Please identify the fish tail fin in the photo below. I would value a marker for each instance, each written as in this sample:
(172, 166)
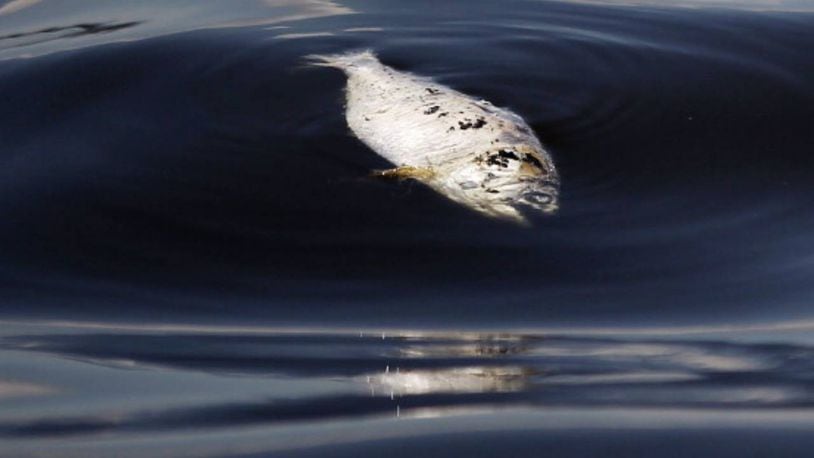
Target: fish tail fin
(342, 61)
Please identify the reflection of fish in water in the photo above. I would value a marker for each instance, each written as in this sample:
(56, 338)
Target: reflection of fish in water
(484, 157)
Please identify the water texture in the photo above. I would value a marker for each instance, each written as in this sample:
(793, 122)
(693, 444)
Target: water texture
(194, 260)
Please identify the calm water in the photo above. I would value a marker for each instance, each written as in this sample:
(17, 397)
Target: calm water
(194, 261)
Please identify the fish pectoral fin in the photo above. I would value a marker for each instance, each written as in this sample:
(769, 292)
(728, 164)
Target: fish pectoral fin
(405, 172)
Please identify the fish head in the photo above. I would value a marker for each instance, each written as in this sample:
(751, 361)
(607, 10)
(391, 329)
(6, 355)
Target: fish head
(505, 182)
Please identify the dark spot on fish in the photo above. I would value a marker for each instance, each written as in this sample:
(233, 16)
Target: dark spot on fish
(492, 191)
(431, 110)
(533, 161)
(432, 91)
(508, 154)
(467, 123)
(451, 129)
(441, 115)
(495, 159)
(367, 119)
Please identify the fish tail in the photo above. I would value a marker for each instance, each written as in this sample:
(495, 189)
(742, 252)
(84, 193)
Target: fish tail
(342, 61)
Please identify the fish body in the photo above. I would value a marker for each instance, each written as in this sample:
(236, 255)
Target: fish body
(479, 155)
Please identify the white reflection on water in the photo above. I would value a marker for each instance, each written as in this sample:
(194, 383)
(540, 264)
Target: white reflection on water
(749, 5)
(723, 363)
(17, 389)
(290, 36)
(629, 377)
(488, 347)
(302, 9)
(753, 396)
(363, 29)
(457, 380)
(673, 354)
(16, 5)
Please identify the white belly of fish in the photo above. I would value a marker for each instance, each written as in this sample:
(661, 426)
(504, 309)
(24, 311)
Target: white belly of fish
(477, 154)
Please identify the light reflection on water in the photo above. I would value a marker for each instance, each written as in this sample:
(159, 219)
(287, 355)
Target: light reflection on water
(619, 369)
(227, 383)
(753, 5)
(16, 389)
(458, 380)
(35, 28)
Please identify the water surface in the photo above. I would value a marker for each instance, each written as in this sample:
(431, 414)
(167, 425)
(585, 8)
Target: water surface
(194, 261)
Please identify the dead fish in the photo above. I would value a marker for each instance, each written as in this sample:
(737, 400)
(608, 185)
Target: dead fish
(474, 153)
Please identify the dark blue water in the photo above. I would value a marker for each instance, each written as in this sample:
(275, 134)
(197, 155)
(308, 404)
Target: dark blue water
(194, 260)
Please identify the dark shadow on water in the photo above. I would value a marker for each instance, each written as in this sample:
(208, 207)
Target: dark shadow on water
(58, 33)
